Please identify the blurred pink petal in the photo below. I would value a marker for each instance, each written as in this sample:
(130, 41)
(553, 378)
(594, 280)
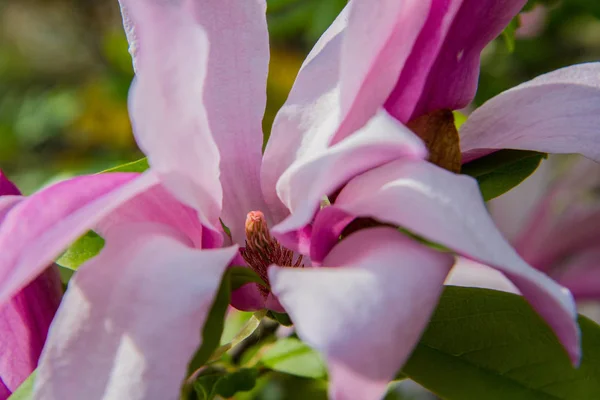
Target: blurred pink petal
(41, 226)
(131, 337)
(558, 112)
(560, 231)
(581, 274)
(448, 209)
(532, 22)
(351, 313)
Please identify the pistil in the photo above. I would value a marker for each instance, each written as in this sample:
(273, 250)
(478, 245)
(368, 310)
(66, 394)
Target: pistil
(262, 250)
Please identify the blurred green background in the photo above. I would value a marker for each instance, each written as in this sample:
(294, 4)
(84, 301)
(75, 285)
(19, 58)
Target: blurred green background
(65, 73)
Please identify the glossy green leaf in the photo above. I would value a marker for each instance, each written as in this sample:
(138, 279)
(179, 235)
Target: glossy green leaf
(502, 170)
(242, 380)
(485, 344)
(135, 166)
(25, 391)
(292, 356)
(84, 248)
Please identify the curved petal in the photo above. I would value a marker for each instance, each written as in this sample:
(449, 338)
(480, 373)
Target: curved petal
(408, 88)
(200, 90)
(24, 323)
(7, 203)
(448, 209)
(308, 180)
(235, 96)
(307, 121)
(343, 82)
(558, 112)
(131, 318)
(378, 270)
(158, 205)
(170, 122)
(451, 81)
(379, 38)
(473, 274)
(41, 226)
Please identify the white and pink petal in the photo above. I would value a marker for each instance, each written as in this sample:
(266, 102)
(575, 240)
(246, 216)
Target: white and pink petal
(131, 318)
(367, 309)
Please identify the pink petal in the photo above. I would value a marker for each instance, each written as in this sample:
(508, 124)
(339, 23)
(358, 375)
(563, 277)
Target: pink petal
(513, 210)
(7, 203)
(41, 226)
(200, 90)
(5, 392)
(448, 209)
(7, 187)
(366, 315)
(558, 112)
(308, 180)
(553, 201)
(131, 318)
(159, 206)
(166, 105)
(408, 88)
(24, 323)
(307, 121)
(451, 81)
(378, 40)
(473, 274)
(581, 274)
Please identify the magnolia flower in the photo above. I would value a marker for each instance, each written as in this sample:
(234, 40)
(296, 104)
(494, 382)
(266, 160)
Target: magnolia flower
(131, 317)
(25, 318)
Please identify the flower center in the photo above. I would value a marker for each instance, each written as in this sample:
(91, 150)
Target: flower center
(438, 131)
(262, 250)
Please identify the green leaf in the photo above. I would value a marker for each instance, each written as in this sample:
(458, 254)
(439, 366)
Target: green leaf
(25, 391)
(282, 318)
(204, 386)
(135, 166)
(215, 321)
(239, 381)
(84, 248)
(502, 170)
(292, 356)
(509, 34)
(220, 383)
(485, 344)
